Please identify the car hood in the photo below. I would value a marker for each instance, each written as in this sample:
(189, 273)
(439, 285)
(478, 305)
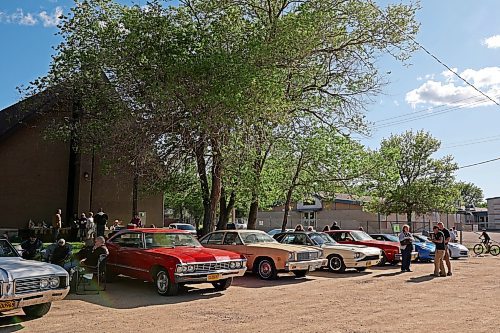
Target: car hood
(285, 247)
(19, 268)
(197, 254)
(460, 247)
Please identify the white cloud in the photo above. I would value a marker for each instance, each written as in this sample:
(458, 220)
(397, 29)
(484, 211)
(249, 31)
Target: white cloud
(395, 102)
(449, 75)
(492, 42)
(51, 20)
(18, 17)
(455, 93)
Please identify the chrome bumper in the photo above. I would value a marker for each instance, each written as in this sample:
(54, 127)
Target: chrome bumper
(36, 297)
(414, 255)
(211, 276)
(309, 265)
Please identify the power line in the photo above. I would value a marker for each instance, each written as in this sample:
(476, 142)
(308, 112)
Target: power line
(472, 142)
(432, 55)
(471, 165)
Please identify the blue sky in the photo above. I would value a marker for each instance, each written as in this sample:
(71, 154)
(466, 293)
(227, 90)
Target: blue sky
(423, 95)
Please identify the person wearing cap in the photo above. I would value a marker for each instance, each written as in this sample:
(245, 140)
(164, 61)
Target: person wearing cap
(335, 226)
(61, 253)
(31, 247)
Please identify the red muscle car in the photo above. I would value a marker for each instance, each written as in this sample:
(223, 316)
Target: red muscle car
(170, 258)
(390, 250)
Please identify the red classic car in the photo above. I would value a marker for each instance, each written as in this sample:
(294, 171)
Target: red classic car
(390, 250)
(170, 258)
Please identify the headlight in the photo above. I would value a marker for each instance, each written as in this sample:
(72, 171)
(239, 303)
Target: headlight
(44, 283)
(184, 269)
(291, 255)
(232, 265)
(179, 269)
(190, 268)
(357, 255)
(54, 282)
(320, 254)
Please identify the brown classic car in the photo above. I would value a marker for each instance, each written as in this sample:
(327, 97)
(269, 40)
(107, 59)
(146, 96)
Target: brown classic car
(265, 256)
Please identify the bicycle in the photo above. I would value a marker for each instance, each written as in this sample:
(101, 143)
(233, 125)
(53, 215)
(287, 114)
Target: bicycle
(492, 249)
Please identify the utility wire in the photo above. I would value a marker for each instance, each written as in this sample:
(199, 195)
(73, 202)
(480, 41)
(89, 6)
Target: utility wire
(471, 165)
(432, 55)
(472, 142)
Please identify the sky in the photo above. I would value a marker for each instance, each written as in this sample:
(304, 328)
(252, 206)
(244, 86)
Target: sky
(421, 95)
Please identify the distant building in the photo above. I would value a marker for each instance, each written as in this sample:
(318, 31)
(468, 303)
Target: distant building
(493, 222)
(38, 176)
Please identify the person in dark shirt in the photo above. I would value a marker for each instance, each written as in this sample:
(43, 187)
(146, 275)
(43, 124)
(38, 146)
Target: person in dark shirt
(335, 226)
(447, 238)
(82, 224)
(100, 220)
(485, 239)
(61, 253)
(31, 247)
(438, 239)
(91, 257)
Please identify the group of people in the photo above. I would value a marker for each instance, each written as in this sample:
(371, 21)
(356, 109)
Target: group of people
(85, 226)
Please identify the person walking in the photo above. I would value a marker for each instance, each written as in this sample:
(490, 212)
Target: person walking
(82, 224)
(438, 239)
(90, 226)
(100, 219)
(406, 239)
(56, 224)
(447, 238)
(326, 228)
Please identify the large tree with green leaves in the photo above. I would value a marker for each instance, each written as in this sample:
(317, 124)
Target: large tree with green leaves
(410, 180)
(470, 194)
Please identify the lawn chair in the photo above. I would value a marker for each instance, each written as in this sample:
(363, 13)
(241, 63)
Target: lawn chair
(91, 279)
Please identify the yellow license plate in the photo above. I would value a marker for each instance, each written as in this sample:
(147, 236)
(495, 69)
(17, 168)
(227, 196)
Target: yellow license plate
(213, 277)
(7, 305)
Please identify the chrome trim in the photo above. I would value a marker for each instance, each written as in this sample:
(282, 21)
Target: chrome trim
(304, 265)
(127, 267)
(33, 298)
(203, 277)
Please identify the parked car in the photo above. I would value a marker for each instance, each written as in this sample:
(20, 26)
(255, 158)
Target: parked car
(273, 232)
(456, 250)
(170, 258)
(28, 284)
(340, 257)
(391, 250)
(265, 256)
(425, 250)
(183, 226)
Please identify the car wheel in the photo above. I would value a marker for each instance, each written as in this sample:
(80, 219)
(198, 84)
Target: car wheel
(37, 311)
(336, 263)
(300, 273)
(222, 284)
(361, 269)
(164, 285)
(266, 269)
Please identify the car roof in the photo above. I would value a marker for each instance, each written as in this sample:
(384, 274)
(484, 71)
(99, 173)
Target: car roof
(154, 230)
(240, 230)
(343, 230)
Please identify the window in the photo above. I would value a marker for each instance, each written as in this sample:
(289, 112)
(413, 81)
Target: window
(164, 239)
(232, 238)
(215, 238)
(129, 240)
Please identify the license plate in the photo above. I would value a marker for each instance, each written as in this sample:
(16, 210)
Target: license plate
(213, 277)
(7, 305)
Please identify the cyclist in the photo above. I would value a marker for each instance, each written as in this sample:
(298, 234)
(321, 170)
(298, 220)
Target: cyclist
(485, 240)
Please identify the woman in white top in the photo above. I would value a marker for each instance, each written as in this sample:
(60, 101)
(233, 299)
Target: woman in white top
(90, 226)
(406, 241)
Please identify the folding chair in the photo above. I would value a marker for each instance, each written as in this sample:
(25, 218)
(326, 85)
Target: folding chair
(86, 275)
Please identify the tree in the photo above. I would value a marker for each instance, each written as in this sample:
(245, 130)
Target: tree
(470, 194)
(410, 180)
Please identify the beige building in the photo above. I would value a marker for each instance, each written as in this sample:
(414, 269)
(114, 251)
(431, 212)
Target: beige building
(38, 176)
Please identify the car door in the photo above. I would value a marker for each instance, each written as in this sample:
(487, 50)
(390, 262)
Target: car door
(127, 254)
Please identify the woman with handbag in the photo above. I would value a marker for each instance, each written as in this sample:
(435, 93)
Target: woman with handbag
(406, 241)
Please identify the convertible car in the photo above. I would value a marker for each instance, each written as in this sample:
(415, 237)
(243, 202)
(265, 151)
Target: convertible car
(28, 284)
(170, 258)
(340, 257)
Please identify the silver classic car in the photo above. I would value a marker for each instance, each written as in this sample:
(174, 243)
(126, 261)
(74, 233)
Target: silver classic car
(27, 284)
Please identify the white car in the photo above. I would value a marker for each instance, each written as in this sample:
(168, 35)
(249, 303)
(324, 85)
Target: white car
(273, 232)
(457, 251)
(340, 256)
(28, 284)
(184, 226)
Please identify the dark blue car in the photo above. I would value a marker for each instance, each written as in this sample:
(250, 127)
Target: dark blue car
(426, 250)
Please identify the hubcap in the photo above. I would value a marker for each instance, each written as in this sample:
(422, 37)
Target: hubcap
(162, 281)
(335, 263)
(265, 269)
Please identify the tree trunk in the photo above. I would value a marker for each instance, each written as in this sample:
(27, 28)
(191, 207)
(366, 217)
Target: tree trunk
(408, 217)
(257, 166)
(290, 191)
(216, 175)
(135, 186)
(252, 214)
(225, 209)
(202, 175)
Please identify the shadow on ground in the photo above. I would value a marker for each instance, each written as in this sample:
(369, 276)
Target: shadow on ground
(423, 278)
(11, 323)
(252, 281)
(346, 274)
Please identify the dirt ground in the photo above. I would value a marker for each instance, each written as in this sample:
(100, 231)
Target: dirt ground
(379, 300)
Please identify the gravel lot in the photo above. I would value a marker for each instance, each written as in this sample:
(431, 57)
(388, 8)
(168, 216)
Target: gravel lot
(379, 300)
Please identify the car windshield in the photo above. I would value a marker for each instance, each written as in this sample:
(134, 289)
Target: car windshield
(256, 237)
(164, 239)
(360, 236)
(392, 238)
(319, 238)
(185, 227)
(6, 250)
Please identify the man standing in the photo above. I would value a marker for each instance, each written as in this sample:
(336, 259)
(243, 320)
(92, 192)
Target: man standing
(56, 225)
(335, 226)
(447, 238)
(438, 239)
(100, 219)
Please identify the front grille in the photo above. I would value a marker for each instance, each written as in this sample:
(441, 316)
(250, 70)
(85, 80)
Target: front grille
(28, 285)
(464, 253)
(304, 256)
(211, 266)
(374, 257)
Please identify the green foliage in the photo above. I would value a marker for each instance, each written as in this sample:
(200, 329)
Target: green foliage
(410, 180)
(470, 194)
